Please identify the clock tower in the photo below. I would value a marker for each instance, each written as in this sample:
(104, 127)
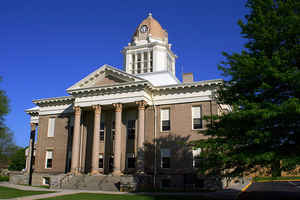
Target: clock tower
(149, 51)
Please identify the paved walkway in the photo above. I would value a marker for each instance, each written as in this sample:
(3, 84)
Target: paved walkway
(229, 194)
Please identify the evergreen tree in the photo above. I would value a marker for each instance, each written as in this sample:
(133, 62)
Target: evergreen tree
(263, 88)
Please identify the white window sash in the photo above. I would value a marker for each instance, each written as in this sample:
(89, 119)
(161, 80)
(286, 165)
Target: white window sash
(51, 127)
(196, 112)
(164, 114)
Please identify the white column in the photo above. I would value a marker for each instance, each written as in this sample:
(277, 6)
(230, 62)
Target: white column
(148, 61)
(76, 142)
(96, 139)
(135, 63)
(141, 136)
(118, 139)
(142, 62)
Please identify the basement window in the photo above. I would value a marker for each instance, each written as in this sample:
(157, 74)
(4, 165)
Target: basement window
(46, 181)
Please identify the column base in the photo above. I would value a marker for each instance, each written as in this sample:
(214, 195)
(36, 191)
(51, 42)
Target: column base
(117, 173)
(95, 172)
(76, 172)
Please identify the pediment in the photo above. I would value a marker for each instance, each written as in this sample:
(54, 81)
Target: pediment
(105, 76)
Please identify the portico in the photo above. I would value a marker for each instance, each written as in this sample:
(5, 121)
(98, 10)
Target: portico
(117, 142)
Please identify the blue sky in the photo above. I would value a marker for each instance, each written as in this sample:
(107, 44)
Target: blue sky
(46, 46)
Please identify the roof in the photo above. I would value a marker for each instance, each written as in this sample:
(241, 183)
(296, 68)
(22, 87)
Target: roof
(85, 82)
(154, 27)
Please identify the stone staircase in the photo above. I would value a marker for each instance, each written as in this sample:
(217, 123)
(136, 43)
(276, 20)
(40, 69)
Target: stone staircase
(87, 182)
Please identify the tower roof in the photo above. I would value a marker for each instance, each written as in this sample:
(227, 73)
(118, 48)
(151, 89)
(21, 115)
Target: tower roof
(154, 27)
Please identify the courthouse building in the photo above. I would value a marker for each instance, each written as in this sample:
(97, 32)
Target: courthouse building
(135, 121)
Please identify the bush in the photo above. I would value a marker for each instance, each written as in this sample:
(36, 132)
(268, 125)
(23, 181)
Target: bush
(4, 178)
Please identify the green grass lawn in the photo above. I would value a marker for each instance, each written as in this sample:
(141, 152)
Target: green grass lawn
(7, 193)
(267, 178)
(89, 196)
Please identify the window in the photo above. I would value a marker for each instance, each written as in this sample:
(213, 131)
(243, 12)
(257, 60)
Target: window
(151, 61)
(196, 114)
(131, 129)
(46, 181)
(51, 126)
(133, 63)
(101, 162)
(165, 183)
(165, 158)
(102, 131)
(145, 61)
(49, 158)
(196, 158)
(111, 162)
(113, 132)
(139, 68)
(130, 160)
(165, 119)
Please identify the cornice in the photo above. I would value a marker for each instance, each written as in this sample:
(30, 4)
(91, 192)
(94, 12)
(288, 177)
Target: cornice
(215, 82)
(54, 101)
(109, 88)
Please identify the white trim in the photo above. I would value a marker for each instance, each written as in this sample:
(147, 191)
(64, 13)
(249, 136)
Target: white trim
(51, 110)
(175, 100)
(94, 75)
(113, 98)
(34, 119)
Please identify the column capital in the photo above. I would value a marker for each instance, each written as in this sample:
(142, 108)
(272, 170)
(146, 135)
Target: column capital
(97, 108)
(118, 107)
(77, 110)
(141, 104)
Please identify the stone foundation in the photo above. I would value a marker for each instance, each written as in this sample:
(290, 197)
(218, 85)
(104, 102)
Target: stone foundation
(123, 183)
(18, 178)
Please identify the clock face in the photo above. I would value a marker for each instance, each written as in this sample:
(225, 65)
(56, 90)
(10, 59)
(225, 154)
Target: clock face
(144, 29)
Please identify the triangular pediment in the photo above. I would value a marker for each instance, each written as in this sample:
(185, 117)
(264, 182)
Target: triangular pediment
(105, 76)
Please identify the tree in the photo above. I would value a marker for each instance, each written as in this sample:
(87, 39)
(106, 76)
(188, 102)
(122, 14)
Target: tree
(18, 160)
(263, 88)
(7, 146)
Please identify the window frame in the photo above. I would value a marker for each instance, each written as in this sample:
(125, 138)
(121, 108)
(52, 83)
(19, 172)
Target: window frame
(113, 130)
(101, 157)
(131, 156)
(161, 120)
(47, 159)
(201, 121)
(131, 131)
(51, 127)
(164, 157)
(196, 153)
(102, 131)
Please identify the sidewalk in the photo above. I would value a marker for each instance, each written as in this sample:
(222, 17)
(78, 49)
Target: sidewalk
(228, 194)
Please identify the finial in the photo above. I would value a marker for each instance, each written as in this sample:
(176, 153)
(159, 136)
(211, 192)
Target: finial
(150, 14)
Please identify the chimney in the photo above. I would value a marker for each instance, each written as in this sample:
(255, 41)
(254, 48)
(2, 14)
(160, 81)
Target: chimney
(187, 78)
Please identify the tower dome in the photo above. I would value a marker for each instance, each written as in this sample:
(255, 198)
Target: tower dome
(150, 27)
(149, 52)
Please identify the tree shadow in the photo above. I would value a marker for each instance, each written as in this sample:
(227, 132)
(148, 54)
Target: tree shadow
(168, 166)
